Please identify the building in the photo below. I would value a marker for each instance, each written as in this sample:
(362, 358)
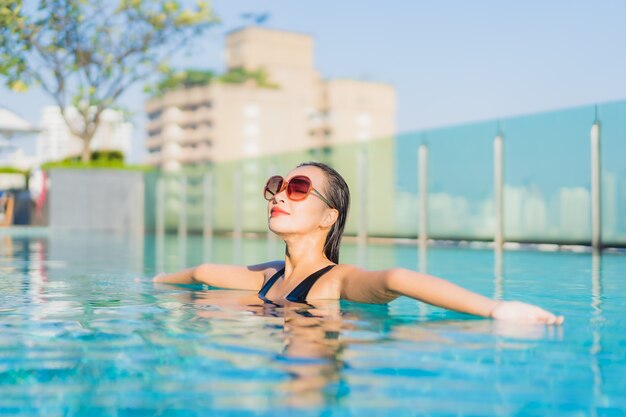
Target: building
(55, 141)
(12, 126)
(225, 121)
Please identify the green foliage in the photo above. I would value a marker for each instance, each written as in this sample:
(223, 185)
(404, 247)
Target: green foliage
(11, 170)
(174, 80)
(99, 159)
(88, 53)
(102, 164)
(107, 156)
(241, 75)
(99, 156)
(10, 19)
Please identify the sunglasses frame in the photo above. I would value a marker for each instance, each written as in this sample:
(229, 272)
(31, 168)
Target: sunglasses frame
(284, 185)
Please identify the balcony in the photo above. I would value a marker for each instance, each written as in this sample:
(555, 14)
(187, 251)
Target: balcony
(201, 153)
(184, 119)
(154, 141)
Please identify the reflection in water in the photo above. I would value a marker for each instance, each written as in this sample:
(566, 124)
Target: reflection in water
(312, 355)
(595, 323)
(182, 252)
(596, 287)
(160, 253)
(422, 265)
(6, 252)
(453, 332)
(237, 249)
(423, 268)
(73, 313)
(207, 247)
(28, 259)
(27, 276)
(92, 253)
(311, 346)
(37, 275)
(362, 253)
(498, 281)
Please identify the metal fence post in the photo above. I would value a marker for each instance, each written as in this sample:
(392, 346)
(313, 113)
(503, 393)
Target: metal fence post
(238, 221)
(182, 222)
(160, 223)
(423, 195)
(498, 191)
(596, 189)
(207, 229)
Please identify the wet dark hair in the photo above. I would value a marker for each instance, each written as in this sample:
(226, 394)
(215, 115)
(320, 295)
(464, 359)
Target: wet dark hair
(338, 194)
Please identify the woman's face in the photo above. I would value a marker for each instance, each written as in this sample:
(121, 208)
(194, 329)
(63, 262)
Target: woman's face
(301, 217)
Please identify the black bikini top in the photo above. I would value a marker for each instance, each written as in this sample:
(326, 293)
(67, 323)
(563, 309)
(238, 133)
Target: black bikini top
(299, 294)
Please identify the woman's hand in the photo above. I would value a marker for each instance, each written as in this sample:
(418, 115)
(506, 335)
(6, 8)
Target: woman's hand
(158, 277)
(518, 311)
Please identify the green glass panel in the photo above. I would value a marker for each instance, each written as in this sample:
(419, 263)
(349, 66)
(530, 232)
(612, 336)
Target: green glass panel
(406, 206)
(460, 198)
(612, 118)
(547, 176)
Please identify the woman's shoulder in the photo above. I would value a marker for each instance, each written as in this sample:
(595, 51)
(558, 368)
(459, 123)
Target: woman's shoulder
(349, 271)
(342, 269)
(272, 267)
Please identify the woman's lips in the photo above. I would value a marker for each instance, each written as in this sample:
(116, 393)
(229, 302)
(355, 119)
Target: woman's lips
(277, 212)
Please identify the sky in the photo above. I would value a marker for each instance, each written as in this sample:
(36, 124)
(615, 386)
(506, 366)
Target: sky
(451, 62)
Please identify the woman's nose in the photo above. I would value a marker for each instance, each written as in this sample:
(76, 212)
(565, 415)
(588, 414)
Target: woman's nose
(280, 196)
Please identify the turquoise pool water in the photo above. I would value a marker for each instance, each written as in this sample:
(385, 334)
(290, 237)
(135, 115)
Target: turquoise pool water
(84, 332)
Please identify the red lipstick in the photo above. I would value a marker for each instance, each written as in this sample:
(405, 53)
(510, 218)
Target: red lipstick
(277, 212)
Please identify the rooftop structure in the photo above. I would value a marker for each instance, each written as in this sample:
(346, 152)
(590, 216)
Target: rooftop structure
(297, 110)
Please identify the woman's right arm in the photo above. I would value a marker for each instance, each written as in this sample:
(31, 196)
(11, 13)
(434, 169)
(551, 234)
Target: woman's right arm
(224, 276)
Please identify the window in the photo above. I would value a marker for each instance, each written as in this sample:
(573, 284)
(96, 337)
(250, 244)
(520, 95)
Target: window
(154, 115)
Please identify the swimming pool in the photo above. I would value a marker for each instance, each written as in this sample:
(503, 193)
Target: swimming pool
(84, 332)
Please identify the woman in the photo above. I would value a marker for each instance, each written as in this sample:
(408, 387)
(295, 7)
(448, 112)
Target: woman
(308, 210)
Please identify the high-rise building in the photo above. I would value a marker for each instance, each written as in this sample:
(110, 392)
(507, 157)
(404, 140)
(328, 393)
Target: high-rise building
(56, 142)
(297, 109)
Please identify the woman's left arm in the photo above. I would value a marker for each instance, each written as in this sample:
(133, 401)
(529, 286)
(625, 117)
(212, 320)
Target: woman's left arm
(384, 286)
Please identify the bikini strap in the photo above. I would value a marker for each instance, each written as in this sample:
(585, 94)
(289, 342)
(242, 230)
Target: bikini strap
(268, 284)
(299, 294)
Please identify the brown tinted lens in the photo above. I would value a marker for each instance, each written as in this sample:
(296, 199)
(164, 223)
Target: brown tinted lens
(298, 188)
(273, 187)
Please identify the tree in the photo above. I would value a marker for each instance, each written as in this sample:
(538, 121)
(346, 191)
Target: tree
(87, 53)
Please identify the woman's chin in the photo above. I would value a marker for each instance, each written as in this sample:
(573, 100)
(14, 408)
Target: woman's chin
(275, 228)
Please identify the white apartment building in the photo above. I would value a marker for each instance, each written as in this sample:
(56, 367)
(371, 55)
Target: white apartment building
(55, 142)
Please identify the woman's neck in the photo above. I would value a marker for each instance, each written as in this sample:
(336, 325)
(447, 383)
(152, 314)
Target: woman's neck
(302, 254)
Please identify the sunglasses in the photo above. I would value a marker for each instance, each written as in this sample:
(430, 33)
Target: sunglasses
(298, 188)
